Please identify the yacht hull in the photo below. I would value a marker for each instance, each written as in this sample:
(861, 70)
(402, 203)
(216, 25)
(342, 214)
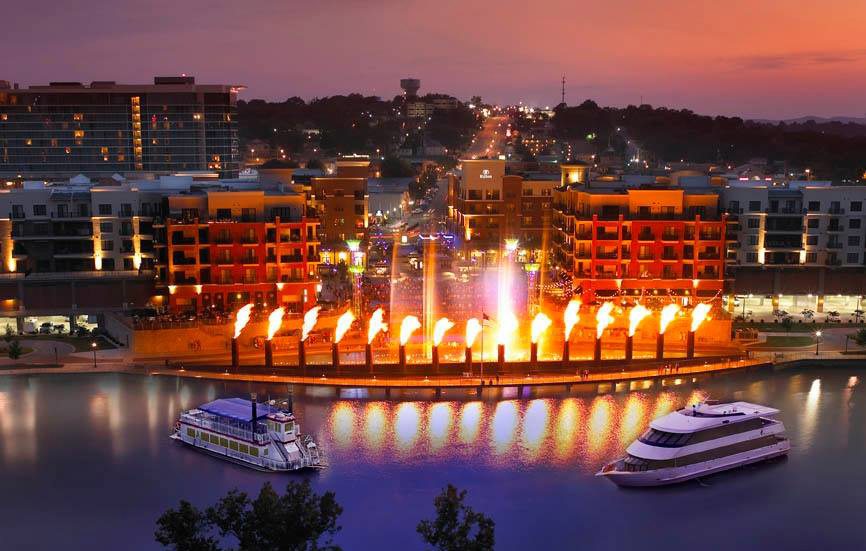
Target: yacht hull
(220, 453)
(673, 475)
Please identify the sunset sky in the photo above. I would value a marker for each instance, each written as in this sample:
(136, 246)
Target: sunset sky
(754, 58)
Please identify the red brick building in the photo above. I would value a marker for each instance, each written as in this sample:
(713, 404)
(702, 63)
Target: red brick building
(223, 249)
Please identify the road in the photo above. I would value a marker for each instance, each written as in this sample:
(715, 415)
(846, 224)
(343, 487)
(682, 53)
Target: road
(490, 140)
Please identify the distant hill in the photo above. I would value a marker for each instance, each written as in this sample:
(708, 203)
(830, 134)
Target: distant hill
(812, 118)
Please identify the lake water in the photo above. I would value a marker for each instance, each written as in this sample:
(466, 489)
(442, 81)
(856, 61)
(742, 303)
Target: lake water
(86, 463)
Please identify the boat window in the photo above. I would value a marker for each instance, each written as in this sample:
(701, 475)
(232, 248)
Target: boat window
(664, 439)
(254, 451)
(244, 448)
(233, 445)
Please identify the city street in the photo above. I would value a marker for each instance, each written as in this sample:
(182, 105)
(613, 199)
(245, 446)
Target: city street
(490, 140)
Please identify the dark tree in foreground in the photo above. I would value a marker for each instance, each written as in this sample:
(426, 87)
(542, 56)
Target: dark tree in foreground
(860, 337)
(298, 520)
(15, 350)
(457, 527)
(185, 529)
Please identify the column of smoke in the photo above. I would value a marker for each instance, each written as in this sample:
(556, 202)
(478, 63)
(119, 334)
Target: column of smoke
(570, 320)
(602, 320)
(275, 320)
(668, 314)
(699, 314)
(242, 318)
(443, 325)
(635, 316)
(344, 323)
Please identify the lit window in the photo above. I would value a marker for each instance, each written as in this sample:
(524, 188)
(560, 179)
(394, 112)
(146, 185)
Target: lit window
(196, 116)
(4, 117)
(68, 150)
(78, 116)
(78, 133)
(103, 150)
(28, 141)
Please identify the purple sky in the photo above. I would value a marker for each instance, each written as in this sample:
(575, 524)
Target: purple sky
(754, 58)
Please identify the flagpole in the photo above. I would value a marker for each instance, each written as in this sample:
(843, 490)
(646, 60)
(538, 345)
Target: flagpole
(482, 346)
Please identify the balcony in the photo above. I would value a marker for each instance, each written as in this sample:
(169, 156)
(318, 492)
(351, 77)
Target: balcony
(606, 256)
(670, 236)
(709, 256)
(183, 261)
(670, 256)
(607, 236)
(182, 240)
(711, 236)
(224, 261)
(835, 228)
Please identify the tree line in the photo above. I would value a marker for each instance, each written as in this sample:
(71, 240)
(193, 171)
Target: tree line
(301, 520)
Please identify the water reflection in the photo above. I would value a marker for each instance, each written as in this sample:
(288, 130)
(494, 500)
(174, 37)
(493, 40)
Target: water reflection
(503, 425)
(439, 424)
(535, 427)
(470, 422)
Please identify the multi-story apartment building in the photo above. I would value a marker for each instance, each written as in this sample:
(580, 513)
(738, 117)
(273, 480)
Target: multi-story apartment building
(341, 202)
(68, 128)
(803, 241)
(615, 239)
(223, 249)
(488, 206)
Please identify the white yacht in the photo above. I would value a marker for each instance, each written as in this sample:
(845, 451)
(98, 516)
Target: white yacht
(700, 440)
(262, 436)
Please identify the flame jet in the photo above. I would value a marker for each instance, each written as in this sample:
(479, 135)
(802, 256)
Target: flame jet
(699, 314)
(375, 325)
(635, 316)
(408, 326)
(275, 321)
(668, 314)
(310, 319)
(242, 318)
(570, 318)
(540, 324)
(344, 323)
(602, 320)
(443, 325)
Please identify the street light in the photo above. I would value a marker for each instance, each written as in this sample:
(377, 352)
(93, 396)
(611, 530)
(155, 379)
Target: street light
(93, 347)
(817, 341)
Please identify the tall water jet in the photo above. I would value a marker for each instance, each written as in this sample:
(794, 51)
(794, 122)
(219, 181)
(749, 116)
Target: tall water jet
(570, 319)
(473, 329)
(442, 327)
(429, 288)
(242, 318)
(275, 320)
(408, 326)
(602, 320)
(668, 314)
(310, 319)
(540, 324)
(375, 325)
(344, 323)
(635, 316)
(699, 314)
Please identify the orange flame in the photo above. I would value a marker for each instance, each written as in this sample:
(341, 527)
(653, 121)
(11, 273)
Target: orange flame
(540, 323)
(635, 315)
(473, 329)
(275, 320)
(242, 318)
(699, 314)
(310, 319)
(571, 317)
(377, 324)
(407, 327)
(669, 313)
(603, 319)
(442, 326)
(343, 325)
(507, 327)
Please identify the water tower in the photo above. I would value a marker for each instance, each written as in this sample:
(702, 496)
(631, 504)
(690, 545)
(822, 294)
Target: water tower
(410, 86)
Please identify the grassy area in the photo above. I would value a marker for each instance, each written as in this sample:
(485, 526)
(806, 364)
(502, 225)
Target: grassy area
(81, 344)
(797, 327)
(785, 341)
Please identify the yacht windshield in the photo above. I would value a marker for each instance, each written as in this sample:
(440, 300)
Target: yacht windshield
(664, 439)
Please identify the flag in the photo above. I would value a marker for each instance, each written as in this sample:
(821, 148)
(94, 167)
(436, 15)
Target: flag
(484, 317)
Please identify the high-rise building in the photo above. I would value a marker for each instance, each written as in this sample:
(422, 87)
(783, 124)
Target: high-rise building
(69, 128)
(342, 202)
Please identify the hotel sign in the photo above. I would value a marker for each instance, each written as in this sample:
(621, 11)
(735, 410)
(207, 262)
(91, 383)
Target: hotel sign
(485, 174)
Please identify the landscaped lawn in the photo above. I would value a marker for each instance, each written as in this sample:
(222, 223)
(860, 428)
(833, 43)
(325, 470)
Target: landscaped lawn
(81, 344)
(796, 327)
(786, 341)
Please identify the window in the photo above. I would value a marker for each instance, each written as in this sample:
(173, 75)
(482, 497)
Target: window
(107, 245)
(854, 223)
(814, 206)
(752, 258)
(754, 223)
(754, 206)
(811, 258)
(813, 223)
(190, 432)
(734, 206)
(104, 209)
(853, 258)
(663, 439)
(233, 445)
(17, 211)
(811, 240)
(753, 240)
(224, 214)
(853, 240)
(40, 210)
(126, 228)
(254, 451)
(856, 206)
(106, 227)
(125, 209)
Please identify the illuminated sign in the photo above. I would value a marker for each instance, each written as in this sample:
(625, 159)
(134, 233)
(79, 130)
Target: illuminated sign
(485, 174)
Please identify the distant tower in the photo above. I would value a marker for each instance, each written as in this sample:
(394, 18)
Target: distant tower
(410, 86)
(563, 90)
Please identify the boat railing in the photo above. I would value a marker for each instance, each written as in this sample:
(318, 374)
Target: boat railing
(225, 428)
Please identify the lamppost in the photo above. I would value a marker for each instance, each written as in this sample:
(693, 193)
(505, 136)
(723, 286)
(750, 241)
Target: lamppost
(93, 347)
(817, 341)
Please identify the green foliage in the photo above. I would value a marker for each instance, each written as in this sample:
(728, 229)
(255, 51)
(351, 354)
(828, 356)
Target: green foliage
(860, 337)
(15, 350)
(185, 529)
(315, 164)
(457, 527)
(298, 520)
(9, 333)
